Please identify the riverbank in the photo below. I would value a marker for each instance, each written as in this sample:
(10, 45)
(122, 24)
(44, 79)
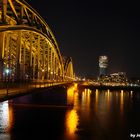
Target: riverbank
(104, 87)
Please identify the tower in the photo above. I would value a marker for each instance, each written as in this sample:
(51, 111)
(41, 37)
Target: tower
(103, 64)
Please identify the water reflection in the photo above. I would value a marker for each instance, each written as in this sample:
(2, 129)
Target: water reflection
(71, 122)
(96, 98)
(107, 98)
(81, 101)
(70, 96)
(71, 117)
(121, 101)
(95, 115)
(6, 118)
(86, 98)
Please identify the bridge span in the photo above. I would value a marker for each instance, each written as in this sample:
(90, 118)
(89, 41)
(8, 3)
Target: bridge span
(10, 91)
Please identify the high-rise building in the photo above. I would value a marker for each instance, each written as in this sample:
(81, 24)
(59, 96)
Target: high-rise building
(103, 64)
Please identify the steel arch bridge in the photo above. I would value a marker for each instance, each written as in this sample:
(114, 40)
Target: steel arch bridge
(28, 48)
(68, 67)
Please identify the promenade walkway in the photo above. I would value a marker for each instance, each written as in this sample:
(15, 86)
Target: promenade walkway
(9, 92)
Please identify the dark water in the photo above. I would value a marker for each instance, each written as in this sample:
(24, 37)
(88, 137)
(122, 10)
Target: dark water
(96, 115)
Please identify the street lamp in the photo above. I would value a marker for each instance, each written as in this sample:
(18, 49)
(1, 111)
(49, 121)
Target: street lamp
(7, 71)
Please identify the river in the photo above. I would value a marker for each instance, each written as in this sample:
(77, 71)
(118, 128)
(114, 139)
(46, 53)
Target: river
(95, 115)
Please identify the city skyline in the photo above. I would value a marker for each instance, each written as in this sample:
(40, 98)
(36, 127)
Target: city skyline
(86, 30)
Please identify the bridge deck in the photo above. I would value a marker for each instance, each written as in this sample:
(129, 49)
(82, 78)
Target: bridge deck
(8, 93)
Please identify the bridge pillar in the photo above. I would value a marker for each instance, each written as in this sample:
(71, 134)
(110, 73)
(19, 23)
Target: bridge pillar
(7, 55)
(43, 63)
(24, 61)
(34, 68)
(18, 57)
(47, 62)
(30, 58)
(2, 37)
(38, 57)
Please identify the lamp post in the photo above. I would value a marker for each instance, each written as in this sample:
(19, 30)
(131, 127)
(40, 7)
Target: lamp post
(7, 71)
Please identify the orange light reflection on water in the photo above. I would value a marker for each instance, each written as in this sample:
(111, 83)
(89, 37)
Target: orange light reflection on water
(70, 95)
(71, 91)
(96, 98)
(86, 97)
(71, 118)
(121, 101)
(71, 121)
(11, 119)
(107, 95)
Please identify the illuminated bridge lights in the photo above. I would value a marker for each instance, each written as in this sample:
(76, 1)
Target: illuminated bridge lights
(27, 45)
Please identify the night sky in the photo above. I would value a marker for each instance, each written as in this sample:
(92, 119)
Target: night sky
(86, 29)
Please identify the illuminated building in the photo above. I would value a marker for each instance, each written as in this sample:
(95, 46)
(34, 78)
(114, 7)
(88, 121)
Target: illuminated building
(118, 77)
(103, 64)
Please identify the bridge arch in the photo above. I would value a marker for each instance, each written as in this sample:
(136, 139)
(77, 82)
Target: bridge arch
(28, 47)
(68, 69)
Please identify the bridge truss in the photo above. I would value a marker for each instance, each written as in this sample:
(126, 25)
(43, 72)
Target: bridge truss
(28, 48)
